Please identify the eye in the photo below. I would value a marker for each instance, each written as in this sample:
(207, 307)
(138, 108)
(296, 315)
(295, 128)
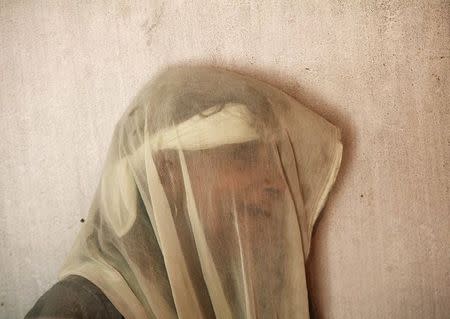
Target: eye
(169, 164)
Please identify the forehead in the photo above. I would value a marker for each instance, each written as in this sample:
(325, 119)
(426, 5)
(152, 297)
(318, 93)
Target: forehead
(248, 151)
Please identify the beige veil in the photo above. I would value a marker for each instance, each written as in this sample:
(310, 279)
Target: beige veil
(207, 200)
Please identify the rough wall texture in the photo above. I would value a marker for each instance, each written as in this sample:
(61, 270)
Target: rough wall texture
(378, 69)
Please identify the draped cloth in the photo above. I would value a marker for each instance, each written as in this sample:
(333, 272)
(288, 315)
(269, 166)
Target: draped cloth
(207, 200)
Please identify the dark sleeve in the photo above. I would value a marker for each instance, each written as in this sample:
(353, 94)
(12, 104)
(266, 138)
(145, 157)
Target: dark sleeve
(74, 297)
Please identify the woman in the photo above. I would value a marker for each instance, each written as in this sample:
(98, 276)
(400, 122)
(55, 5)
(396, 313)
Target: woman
(206, 205)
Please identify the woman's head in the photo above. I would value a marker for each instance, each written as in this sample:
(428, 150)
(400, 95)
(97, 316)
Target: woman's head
(194, 216)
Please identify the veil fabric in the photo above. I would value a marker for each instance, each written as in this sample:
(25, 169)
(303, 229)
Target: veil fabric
(207, 200)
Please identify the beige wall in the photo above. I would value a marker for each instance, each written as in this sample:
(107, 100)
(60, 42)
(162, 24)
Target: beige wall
(378, 69)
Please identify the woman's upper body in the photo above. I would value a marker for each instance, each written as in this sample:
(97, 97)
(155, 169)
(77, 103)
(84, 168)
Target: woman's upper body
(208, 197)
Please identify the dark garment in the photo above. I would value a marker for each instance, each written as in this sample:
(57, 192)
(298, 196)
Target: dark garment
(74, 297)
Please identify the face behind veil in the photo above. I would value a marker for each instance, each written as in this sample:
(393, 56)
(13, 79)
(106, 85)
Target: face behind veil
(207, 200)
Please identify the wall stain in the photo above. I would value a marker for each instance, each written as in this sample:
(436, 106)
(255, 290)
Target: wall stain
(151, 25)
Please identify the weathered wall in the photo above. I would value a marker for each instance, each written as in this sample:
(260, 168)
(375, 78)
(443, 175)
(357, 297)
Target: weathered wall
(378, 69)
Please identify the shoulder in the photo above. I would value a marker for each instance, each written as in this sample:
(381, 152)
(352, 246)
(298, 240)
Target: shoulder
(73, 297)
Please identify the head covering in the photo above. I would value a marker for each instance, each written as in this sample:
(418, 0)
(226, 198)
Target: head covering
(207, 201)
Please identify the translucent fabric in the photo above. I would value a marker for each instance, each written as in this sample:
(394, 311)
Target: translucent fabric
(207, 200)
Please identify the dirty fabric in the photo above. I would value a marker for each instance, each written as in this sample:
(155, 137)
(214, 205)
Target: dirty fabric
(207, 200)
